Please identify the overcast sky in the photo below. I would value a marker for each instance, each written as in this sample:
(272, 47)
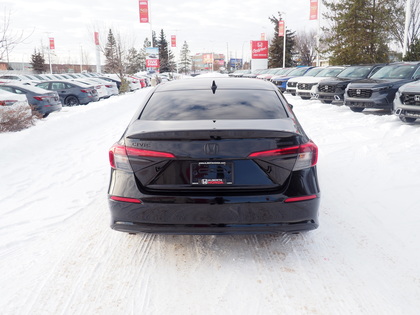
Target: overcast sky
(221, 26)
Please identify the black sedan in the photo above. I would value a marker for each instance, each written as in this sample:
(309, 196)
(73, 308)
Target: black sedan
(214, 156)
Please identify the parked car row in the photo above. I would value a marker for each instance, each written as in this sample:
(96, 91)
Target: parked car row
(46, 93)
(394, 87)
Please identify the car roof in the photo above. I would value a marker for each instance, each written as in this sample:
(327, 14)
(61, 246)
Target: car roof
(220, 83)
(70, 81)
(27, 87)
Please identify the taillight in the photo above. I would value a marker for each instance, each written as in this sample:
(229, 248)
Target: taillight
(302, 198)
(108, 86)
(307, 154)
(7, 102)
(40, 98)
(118, 156)
(85, 91)
(148, 153)
(125, 199)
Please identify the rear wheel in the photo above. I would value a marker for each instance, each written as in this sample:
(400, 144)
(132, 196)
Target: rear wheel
(305, 97)
(71, 101)
(326, 102)
(407, 119)
(357, 109)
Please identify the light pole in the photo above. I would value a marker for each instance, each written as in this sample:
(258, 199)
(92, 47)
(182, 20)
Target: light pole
(407, 24)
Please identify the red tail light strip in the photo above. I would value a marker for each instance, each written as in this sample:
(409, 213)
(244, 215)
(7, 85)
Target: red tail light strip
(7, 102)
(308, 147)
(283, 151)
(118, 155)
(124, 199)
(303, 198)
(148, 153)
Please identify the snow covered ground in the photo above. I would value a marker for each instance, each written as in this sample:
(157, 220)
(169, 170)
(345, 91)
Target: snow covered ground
(59, 256)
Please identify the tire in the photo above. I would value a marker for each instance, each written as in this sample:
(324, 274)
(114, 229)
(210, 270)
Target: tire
(45, 115)
(71, 101)
(357, 109)
(305, 97)
(326, 102)
(407, 119)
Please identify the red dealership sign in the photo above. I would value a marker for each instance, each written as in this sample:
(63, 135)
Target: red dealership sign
(152, 63)
(144, 11)
(96, 35)
(260, 49)
(52, 44)
(281, 28)
(173, 40)
(313, 14)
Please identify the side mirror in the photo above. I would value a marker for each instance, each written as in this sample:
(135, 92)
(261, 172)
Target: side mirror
(291, 106)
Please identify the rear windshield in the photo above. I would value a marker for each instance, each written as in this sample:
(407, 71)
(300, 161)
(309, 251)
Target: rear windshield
(204, 105)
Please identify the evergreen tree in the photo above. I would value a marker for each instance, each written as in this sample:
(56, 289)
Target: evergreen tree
(166, 56)
(275, 56)
(111, 55)
(360, 30)
(413, 53)
(185, 59)
(38, 62)
(142, 54)
(134, 62)
(114, 63)
(155, 42)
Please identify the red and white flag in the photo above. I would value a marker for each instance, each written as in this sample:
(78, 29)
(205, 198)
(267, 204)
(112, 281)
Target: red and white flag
(281, 28)
(52, 44)
(96, 36)
(313, 10)
(144, 11)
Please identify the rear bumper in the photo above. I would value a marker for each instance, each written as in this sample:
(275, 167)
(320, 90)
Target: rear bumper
(223, 212)
(214, 215)
(47, 109)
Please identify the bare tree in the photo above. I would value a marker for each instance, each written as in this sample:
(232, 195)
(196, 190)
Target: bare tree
(397, 22)
(305, 45)
(9, 38)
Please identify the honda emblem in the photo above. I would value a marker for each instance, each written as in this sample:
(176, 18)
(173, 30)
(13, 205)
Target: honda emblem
(417, 98)
(211, 148)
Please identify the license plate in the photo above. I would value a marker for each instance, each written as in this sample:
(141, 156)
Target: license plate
(212, 173)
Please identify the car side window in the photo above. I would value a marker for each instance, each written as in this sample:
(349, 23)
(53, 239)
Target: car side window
(17, 91)
(43, 85)
(416, 75)
(8, 89)
(57, 86)
(374, 71)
